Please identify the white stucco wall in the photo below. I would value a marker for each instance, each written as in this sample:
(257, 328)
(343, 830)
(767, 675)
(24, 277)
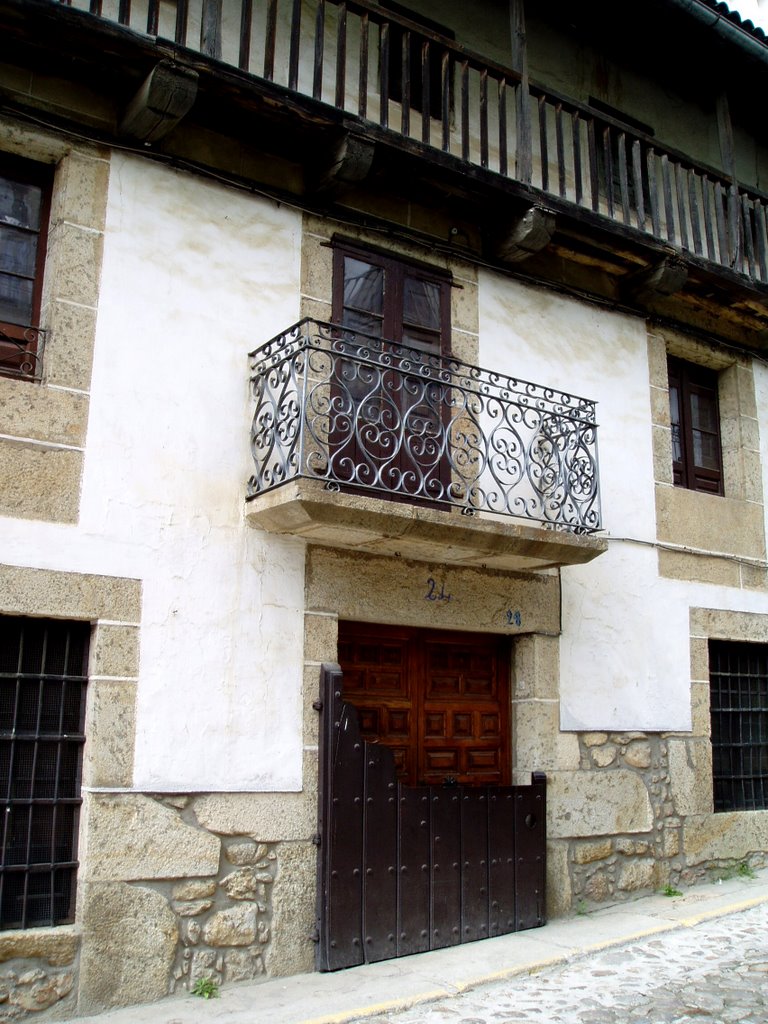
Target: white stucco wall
(625, 645)
(194, 276)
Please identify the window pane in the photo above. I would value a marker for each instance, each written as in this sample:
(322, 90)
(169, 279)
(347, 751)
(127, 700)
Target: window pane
(703, 412)
(421, 303)
(357, 321)
(18, 251)
(706, 451)
(695, 423)
(16, 300)
(20, 204)
(423, 340)
(363, 286)
(674, 415)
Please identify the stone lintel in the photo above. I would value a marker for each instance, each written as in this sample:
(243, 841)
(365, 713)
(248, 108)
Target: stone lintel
(58, 946)
(303, 508)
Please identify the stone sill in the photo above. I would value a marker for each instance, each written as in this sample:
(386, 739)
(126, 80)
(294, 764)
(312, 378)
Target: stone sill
(57, 944)
(304, 508)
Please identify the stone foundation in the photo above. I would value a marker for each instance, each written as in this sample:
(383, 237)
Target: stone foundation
(38, 971)
(664, 832)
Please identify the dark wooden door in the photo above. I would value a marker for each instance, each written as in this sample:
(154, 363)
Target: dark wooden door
(403, 869)
(439, 700)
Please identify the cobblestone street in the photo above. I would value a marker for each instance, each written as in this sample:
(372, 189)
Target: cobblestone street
(715, 973)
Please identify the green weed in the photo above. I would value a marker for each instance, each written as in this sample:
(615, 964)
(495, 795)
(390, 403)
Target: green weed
(206, 988)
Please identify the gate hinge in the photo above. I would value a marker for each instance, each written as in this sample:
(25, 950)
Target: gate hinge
(317, 839)
(317, 705)
(315, 936)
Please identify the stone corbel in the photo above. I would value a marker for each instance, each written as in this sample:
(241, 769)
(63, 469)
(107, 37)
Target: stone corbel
(348, 162)
(165, 96)
(662, 279)
(530, 233)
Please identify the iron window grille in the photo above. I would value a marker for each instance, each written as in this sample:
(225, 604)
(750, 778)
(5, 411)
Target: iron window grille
(42, 710)
(738, 674)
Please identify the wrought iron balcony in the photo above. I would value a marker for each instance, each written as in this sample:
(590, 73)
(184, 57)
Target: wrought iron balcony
(367, 416)
(430, 91)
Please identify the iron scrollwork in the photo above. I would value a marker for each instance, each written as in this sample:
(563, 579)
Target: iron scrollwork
(360, 412)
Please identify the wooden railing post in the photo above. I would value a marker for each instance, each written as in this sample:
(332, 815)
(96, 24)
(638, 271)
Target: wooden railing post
(210, 29)
(523, 160)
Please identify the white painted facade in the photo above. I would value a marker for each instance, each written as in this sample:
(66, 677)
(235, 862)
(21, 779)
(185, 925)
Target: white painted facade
(194, 275)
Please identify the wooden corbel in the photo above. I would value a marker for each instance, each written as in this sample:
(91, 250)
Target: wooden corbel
(662, 279)
(165, 96)
(347, 162)
(530, 233)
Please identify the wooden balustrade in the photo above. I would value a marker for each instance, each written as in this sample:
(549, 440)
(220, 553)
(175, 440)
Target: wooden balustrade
(414, 81)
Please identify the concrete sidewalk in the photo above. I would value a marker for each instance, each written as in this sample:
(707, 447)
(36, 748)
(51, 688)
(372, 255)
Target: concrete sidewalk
(401, 984)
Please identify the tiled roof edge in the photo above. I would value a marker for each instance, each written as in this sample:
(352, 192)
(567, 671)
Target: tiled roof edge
(735, 18)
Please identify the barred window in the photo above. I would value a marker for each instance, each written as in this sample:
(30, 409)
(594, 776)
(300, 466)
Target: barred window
(42, 710)
(738, 675)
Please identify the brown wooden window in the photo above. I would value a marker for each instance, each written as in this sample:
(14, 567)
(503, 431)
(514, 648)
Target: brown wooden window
(693, 409)
(42, 711)
(24, 206)
(420, 63)
(401, 302)
(390, 408)
(738, 674)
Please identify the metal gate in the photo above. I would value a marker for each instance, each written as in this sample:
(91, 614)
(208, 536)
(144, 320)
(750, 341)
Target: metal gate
(404, 869)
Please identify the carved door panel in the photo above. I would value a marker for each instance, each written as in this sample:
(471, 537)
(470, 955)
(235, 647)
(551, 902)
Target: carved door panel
(439, 700)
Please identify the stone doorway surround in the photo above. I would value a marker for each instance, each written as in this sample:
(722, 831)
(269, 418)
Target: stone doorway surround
(526, 607)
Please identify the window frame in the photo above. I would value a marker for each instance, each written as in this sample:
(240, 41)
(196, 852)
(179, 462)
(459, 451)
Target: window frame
(20, 344)
(690, 379)
(43, 683)
(356, 450)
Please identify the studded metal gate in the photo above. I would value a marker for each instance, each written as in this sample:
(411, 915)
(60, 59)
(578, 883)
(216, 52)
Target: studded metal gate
(404, 869)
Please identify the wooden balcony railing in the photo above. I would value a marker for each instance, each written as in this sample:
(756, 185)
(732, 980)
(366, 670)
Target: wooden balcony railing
(386, 69)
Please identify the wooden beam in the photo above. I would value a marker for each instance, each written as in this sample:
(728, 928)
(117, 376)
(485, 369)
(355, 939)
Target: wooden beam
(165, 96)
(526, 236)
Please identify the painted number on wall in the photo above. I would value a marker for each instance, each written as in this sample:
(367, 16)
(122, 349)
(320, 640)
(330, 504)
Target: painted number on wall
(433, 594)
(514, 618)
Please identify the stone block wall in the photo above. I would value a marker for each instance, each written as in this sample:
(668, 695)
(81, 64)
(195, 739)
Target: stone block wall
(177, 891)
(626, 823)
